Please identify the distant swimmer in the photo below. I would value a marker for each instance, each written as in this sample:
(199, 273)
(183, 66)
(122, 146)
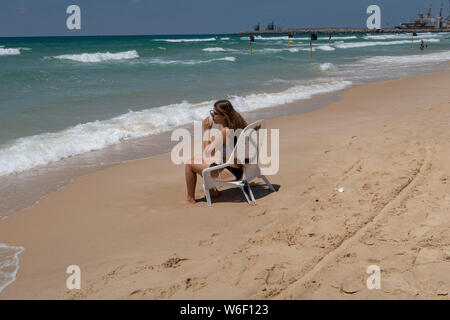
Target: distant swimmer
(422, 45)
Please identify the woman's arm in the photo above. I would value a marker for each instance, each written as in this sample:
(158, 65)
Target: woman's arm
(214, 143)
(206, 125)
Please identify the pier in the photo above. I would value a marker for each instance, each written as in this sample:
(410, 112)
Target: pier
(342, 30)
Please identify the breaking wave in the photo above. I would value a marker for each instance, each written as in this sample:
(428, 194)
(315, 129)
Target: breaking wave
(99, 56)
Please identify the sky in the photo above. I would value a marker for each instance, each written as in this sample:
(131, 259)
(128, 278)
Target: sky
(141, 17)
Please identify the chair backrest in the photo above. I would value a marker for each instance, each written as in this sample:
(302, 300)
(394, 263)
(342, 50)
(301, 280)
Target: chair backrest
(247, 149)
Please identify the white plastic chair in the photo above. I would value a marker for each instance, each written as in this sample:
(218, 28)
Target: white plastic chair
(251, 169)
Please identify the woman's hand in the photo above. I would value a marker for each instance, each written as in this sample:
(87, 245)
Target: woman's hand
(206, 124)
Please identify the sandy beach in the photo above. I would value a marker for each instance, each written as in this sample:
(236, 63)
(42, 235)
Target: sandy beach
(386, 144)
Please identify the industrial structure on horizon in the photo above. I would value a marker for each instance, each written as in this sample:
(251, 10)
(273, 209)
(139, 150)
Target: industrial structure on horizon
(420, 24)
(270, 27)
(428, 22)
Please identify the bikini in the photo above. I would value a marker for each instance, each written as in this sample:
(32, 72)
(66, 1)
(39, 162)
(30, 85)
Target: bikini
(237, 172)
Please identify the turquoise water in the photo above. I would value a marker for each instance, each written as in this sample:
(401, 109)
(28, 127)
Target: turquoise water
(63, 96)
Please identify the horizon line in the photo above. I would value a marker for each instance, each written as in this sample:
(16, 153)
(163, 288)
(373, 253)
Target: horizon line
(165, 34)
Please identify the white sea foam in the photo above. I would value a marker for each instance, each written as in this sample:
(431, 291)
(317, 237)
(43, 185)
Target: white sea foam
(325, 48)
(220, 49)
(350, 45)
(411, 59)
(297, 92)
(190, 62)
(340, 38)
(400, 36)
(162, 48)
(9, 51)
(291, 49)
(275, 50)
(298, 38)
(216, 49)
(100, 56)
(275, 38)
(186, 40)
(26, 153)
(295, 49)
(327, 66)
(9, 264)
(266, 38)
(225, 38)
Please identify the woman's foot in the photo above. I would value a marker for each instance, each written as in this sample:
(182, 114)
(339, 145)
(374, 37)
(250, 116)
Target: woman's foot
(188, 201)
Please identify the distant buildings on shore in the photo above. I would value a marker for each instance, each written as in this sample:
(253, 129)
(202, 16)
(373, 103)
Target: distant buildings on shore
(428, 22)
(270, 27)
(421, 23)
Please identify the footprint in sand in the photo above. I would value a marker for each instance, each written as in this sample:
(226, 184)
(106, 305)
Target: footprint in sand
(173, 262)
(210, 241)
(257, 213)
(366, 186)
(275, 274)
(309, 190)
(356, 166)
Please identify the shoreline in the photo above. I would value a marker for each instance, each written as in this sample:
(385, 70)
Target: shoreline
(65, 171)
(56, 175)
(138, 242)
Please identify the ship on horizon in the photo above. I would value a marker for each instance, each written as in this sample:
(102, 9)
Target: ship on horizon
(428, 22)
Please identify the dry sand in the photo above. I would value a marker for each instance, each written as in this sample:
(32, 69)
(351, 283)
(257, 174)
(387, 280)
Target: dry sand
(387, 144)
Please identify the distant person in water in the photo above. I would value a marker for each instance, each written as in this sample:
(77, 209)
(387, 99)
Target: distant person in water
(422, 45)
(222, 114)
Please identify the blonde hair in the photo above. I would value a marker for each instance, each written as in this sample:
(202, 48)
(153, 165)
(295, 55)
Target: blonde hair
(233, 119)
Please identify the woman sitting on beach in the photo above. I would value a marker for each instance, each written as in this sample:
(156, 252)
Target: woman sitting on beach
(225, 115)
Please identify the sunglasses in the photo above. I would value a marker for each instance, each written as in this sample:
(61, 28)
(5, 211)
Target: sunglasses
(214, 113)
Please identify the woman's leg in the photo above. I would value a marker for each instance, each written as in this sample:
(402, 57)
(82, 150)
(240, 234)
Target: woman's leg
(226, 175)
(191, 181)
(191, 171)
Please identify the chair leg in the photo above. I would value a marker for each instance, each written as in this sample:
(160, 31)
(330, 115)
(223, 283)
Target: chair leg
(208, 196)
(251, 194)
(268, 182)
(245, 193)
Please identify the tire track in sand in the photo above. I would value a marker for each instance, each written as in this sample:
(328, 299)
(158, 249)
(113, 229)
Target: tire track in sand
(402, 194)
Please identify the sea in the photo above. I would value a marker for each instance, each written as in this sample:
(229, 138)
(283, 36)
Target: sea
(72, 105)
